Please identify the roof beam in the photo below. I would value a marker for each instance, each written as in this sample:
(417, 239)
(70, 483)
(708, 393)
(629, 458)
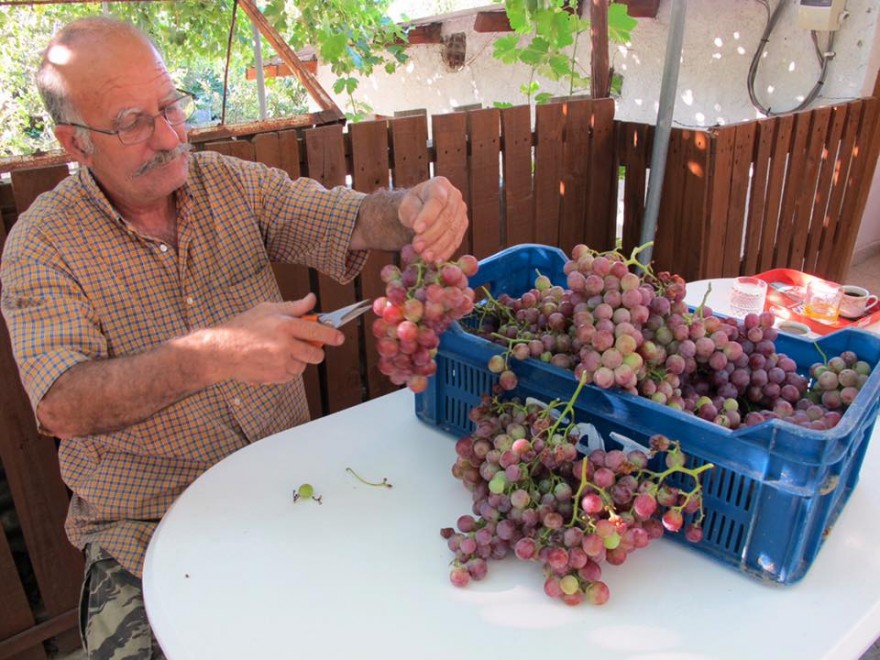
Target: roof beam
(285, 52)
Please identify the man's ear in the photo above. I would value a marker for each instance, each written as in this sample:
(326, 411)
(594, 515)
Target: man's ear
(69, 139)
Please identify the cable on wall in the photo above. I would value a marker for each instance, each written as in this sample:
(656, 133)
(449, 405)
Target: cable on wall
(823, 57)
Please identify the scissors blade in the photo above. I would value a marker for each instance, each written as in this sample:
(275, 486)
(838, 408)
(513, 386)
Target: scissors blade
(345, 314)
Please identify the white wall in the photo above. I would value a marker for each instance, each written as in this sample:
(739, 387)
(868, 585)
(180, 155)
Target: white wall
(720, 39)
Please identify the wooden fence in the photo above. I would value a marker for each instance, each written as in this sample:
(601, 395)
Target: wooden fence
(782, 192)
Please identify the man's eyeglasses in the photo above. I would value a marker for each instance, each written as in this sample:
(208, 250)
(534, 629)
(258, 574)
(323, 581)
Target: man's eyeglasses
(139, 127)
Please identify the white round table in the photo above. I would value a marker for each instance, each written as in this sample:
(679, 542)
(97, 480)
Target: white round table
(238, 570)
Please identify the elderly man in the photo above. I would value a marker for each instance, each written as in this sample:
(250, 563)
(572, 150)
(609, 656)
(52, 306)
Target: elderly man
(145, 319)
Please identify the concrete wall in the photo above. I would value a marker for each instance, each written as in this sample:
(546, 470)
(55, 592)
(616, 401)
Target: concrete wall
(720, 39)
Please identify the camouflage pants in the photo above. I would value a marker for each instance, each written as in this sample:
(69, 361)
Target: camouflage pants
(112, 618)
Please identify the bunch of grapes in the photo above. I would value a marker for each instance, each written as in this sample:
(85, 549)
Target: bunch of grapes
(634, 332)
(534, 495)
(421, 301)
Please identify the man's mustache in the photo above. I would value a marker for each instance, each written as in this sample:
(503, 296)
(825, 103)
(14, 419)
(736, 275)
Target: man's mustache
(163, 157)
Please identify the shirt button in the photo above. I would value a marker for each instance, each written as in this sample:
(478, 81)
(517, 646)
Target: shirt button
(163, 247)
(236, 401)
(190, 300)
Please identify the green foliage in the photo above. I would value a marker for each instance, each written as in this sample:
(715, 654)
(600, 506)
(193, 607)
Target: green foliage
(545, 39)
(353, 38)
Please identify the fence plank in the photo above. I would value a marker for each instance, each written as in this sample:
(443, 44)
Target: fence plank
(549, 129)
(755, 228)
(484, 131)
(451, 160)
(600, 207)
(842, 162)
(341, 377)
(519, 200)
(575, 161)
(819, 227)
(669, 222)
(695, 206)
(31, 465)
(370, 171)
(743, 150)
(15, 613)
(29, 184)
(719, 177)
(409, 147)
(804, 211)
(856, 195)
(783, 129)
(791, 192)
(634, 142)
(239, 148)
(277, 150)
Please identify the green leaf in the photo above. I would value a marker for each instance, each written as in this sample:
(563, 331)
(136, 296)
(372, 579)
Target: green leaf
(535, 52)
(506, 49)
(517, 15)
(333, 46)
(529, 88)
(560, 65)
(620, 24)
(543, 97)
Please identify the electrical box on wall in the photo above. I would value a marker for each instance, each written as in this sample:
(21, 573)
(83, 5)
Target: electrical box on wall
(820, 15)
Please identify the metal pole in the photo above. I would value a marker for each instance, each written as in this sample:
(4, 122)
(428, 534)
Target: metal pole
(664, 125)
(261, 83)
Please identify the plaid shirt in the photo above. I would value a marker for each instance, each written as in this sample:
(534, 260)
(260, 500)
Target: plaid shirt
(80, 284)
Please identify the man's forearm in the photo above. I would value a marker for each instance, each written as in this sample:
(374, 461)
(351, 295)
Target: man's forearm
(102, 396)
(378, 227)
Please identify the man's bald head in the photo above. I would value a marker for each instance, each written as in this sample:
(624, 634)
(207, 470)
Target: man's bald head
(78, 49)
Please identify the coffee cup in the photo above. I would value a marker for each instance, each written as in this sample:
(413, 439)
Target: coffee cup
(856, 300)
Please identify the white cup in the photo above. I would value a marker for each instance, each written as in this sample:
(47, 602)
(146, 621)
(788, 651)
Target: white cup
(855, 301)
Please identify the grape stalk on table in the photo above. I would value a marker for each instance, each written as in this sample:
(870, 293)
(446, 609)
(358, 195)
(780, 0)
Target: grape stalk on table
(421, 301)
(622, 326)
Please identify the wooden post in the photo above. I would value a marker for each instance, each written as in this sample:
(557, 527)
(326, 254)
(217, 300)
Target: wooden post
(600, 75)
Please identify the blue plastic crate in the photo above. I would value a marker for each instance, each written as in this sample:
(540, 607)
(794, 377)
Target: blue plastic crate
(776, 488)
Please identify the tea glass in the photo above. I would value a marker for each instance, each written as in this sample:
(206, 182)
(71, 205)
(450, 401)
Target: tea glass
(822, 301)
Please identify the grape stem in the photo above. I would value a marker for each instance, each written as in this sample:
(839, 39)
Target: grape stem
(606, 498)
(819, 348)
(383, 484)
(633, 257)
(569, 407)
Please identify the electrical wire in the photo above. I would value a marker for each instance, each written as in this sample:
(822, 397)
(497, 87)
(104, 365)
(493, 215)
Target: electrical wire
(226, 69)
(823, 57)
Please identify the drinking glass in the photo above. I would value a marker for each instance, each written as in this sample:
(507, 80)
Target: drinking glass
(822, 301)
(747, 295)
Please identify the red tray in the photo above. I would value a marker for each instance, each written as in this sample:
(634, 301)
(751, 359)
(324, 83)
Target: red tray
(786, 308)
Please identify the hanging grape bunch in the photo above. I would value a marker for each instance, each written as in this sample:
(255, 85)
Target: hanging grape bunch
(421, 301)
(534, 495)
(622, 326)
